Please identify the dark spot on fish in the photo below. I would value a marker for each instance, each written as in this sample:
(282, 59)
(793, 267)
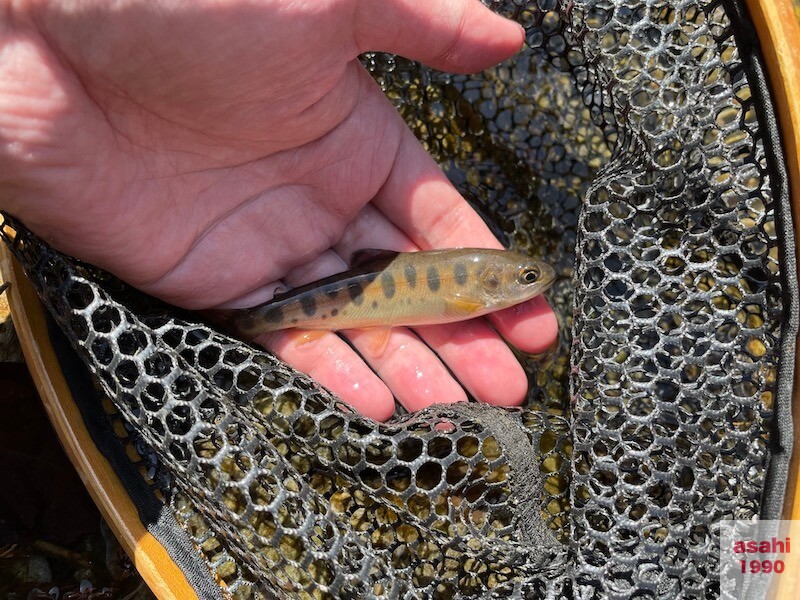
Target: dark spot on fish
(356, 293)
(334, 312)
(309, 305)
(324, 317)
(273, 314)
(294, 320)
(387, 282)
(433, 279)
(460, 271)
(411, 276)
(374, 304)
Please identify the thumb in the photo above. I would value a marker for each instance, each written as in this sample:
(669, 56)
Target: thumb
(461, 36)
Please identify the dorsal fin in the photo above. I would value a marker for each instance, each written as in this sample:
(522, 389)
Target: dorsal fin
(372, 256)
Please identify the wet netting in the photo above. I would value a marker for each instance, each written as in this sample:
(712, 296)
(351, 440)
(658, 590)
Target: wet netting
(631, 144)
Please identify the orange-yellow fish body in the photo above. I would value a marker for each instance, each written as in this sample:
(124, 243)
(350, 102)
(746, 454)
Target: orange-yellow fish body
(385, 289)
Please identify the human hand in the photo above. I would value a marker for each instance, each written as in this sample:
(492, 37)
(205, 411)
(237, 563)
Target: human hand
(205, 152)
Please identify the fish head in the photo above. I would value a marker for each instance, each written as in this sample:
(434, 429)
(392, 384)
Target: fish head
(511, 277)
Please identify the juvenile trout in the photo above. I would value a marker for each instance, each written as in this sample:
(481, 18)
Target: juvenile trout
(385, 289)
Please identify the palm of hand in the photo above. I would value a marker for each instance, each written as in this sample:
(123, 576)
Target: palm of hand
(208, 170)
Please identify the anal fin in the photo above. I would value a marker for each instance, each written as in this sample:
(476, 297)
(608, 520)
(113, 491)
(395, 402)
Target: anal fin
(378, 340)
(305, 336)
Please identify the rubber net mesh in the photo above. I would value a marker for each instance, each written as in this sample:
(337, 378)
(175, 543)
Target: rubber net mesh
(622, 145)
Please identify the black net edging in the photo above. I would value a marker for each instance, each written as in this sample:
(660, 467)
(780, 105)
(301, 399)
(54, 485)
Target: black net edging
(631, 144)
(782, 439)
(160, 523)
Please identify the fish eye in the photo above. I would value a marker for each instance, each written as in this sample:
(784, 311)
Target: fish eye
(530, 275)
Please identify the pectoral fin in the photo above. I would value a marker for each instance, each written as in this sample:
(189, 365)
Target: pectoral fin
(463, 307)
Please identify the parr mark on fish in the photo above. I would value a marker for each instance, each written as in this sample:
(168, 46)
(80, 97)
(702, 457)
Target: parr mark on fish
(460, 272)
(434, 283)
(387, 283)
(411, 276)
(309, 305)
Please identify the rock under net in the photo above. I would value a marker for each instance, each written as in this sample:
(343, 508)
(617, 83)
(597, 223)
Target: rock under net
(624, 145)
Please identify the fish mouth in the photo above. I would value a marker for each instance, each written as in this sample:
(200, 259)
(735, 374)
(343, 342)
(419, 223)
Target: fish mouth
(550, 275)
(547, 278)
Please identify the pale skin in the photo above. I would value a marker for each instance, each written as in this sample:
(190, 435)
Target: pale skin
(208, 152)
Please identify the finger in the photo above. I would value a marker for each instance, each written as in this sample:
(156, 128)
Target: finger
(420, 201)
(371, 229)
(531, 326)
(452, 35)
(332, 363)
(414, 373)
(482, 361)
(476, 355)
(326, 264)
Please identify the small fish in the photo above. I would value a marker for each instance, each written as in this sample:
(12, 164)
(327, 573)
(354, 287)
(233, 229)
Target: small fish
(385, 289)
